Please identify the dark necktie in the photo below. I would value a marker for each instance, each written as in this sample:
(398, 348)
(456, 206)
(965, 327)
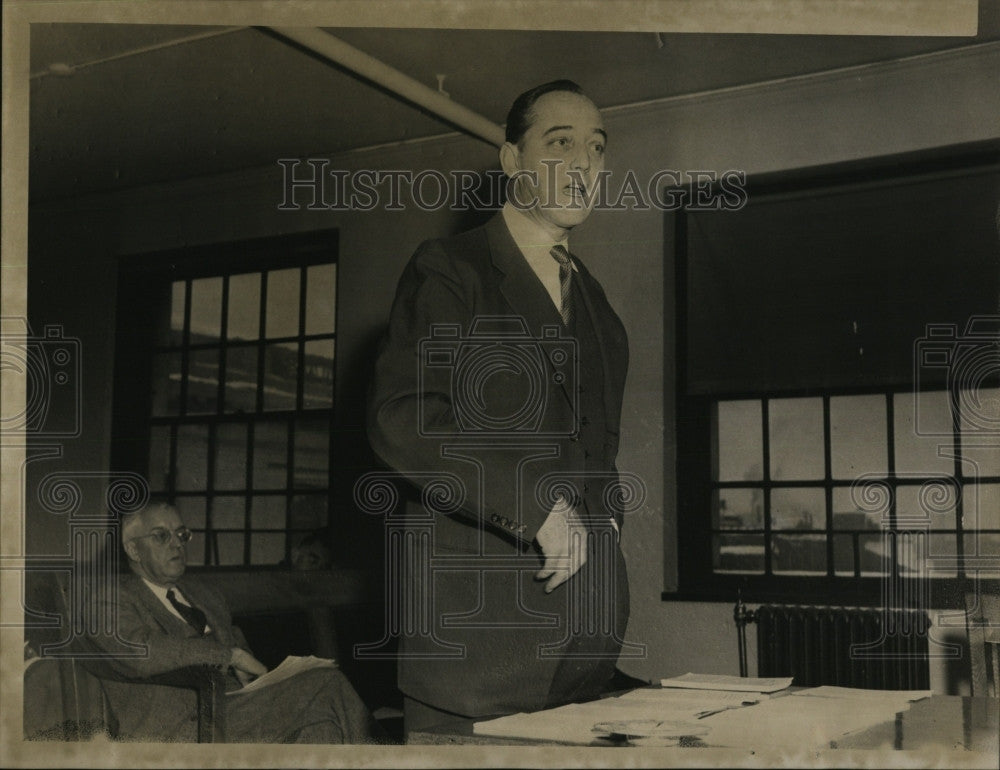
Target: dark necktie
(195, 617)
(560, 255)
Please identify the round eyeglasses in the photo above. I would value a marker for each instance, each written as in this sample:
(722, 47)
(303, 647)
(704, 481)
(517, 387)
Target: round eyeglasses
(163, 536)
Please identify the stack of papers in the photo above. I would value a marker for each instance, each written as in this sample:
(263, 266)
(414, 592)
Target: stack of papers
(289, 667)
(730, 683)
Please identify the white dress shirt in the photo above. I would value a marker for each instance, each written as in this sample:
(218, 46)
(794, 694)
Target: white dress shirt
(535, 244)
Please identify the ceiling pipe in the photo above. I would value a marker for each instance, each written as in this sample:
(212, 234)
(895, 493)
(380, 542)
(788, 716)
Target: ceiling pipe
(62, 69)
(379, 72)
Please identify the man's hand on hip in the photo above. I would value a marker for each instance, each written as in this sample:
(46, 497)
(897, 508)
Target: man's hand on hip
(563, 540)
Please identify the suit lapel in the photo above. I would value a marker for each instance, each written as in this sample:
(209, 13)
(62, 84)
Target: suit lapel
(520, 287)
(169, 622)
(172, 624)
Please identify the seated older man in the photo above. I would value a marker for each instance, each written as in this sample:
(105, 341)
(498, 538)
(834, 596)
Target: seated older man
(182, 622)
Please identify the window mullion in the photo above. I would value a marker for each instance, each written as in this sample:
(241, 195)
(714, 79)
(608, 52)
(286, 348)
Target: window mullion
(766, 474)
(300, 355)
(210, 488)
(223, 347)
(261, 345)
(828, 491)
(185, 349)
(956, 433)
(894, 492)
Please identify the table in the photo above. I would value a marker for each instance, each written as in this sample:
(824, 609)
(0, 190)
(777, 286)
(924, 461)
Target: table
(954, 722)
(948, 722)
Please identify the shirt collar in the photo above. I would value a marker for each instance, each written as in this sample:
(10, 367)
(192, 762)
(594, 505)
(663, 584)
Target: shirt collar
(161, 591)
(528, 234)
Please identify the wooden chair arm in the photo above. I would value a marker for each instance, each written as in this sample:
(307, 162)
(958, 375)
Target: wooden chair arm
(208, 682)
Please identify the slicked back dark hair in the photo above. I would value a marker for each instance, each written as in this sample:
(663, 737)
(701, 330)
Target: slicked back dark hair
(521, 114)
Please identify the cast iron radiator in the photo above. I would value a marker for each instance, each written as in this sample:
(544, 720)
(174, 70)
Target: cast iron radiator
(870, 648)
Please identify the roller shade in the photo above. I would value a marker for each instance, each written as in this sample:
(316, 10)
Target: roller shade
(833, 285)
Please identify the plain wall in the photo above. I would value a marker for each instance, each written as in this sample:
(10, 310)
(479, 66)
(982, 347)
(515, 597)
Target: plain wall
(926, 102)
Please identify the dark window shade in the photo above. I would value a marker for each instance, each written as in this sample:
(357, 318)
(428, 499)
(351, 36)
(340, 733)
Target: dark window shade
(831, 287)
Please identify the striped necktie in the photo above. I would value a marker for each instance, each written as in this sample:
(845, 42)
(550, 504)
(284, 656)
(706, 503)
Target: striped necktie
(560, 255)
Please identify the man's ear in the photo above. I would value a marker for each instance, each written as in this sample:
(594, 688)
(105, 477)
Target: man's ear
(132, 551)
(510, 159)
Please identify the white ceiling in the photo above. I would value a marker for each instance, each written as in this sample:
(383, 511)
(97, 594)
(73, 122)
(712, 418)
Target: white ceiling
(146, 103)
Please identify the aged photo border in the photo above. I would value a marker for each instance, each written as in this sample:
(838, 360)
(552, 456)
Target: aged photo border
(867, 17)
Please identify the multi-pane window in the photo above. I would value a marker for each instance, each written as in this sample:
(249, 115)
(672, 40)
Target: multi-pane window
(824, 485)
(241, 402)
(836, 388)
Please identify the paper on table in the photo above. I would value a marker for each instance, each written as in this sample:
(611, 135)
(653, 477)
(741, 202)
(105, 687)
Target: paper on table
(651, 732)
(889, 701)
(802, 723)
(731, 683)
(566, 724)
(829, 691)
(653, 711)
(289, 667)
(677, 702)
(664, 715)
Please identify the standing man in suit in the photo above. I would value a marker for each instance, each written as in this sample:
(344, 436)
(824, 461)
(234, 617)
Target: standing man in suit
(501, 378)
(182, 622)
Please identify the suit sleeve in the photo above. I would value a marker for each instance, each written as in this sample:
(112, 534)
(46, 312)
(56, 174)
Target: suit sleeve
(412, 421)
(133, 626)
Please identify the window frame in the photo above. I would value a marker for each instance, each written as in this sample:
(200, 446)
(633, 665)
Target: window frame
(693, 421)
(144, 276)
(860, 589)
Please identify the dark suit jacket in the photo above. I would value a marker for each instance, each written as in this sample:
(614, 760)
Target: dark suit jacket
(477, 641)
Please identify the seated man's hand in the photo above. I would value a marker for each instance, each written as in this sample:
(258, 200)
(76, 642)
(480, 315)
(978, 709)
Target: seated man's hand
(246, 666)
(563, 540)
